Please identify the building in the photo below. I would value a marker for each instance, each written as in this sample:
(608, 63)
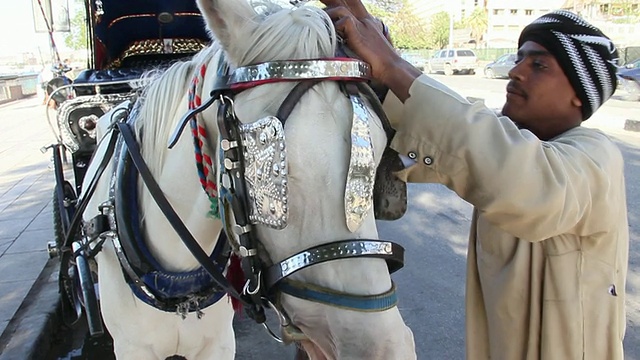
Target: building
(617, 19)
(507, 18)
(425, 9)
(458, 9)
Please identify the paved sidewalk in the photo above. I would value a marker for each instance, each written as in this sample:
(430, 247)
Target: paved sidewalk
(26, 225)
(28, 279)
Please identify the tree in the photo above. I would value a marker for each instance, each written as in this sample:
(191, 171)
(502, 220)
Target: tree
(477, 22)
(388, 6)
(439, 30)
(77, 38)
(408, 31)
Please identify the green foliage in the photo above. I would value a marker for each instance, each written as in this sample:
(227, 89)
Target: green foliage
(407, 30)
(439, 30)
(388, 6)
(477, 22)
(77, 38)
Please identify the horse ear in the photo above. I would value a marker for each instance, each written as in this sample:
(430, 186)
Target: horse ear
(227, 20)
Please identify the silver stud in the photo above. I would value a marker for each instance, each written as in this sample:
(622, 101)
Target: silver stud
(412, 155)
(428, 160)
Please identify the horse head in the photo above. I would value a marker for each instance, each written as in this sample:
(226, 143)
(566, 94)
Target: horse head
(302, 158)
(287, 140)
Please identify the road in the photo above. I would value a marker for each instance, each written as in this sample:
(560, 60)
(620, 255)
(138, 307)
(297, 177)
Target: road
(434, 233)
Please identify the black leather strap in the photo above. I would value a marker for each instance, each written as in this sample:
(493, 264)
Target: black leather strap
(89, 190)
(368, 92)
(292, 99)
(170, 214)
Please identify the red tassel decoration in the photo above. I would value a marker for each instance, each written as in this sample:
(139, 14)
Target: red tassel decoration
(235, 275)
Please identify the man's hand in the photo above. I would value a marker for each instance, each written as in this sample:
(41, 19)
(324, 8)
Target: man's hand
(363, 34)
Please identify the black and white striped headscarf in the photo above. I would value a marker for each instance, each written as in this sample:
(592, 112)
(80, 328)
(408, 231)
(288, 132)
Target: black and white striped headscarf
(587, 56)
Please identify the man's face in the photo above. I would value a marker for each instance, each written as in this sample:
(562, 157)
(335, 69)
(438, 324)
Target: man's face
(539, 95)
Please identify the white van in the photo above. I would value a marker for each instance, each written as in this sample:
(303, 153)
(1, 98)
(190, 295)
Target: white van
(453, 61)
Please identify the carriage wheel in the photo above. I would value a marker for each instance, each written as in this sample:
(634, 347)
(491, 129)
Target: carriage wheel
(67, 278)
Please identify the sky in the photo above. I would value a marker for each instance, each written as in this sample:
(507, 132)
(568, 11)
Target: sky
(17, 33)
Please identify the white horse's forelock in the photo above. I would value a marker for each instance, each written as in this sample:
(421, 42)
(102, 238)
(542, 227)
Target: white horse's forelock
(310, 35)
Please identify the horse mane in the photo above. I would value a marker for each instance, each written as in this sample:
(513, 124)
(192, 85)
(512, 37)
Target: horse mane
(163, 104)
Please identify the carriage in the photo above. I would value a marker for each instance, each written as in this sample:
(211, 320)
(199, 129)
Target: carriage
(167, 238)
(125, 40)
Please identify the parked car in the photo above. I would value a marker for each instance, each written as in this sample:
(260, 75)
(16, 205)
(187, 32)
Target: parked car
(629, 79)
(635, 64)
(500, 67)
(416, 60)
(453, 61)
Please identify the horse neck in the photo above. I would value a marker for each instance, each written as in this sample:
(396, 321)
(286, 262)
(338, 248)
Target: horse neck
(176, 173)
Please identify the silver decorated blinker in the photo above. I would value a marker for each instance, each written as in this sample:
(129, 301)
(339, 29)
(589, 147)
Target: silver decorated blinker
(265, 171)
(362, 168)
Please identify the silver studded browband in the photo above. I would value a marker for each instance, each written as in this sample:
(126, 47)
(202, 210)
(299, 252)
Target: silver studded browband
(269, 202)
(301, 69)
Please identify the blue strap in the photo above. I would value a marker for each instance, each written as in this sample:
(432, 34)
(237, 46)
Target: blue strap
(319, 294)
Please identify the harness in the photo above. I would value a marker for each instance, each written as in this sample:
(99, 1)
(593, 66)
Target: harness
(236, 198)
(118, 221)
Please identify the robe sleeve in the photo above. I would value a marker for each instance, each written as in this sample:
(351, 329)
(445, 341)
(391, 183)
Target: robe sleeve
(530, 188)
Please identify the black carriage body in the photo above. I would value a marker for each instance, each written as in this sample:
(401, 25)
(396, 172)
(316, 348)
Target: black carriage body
(142, 32)
(127, 38)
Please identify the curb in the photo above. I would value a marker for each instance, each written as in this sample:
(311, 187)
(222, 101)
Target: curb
(30, 332)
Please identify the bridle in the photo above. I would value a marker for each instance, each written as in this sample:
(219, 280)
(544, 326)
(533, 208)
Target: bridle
(263, 281)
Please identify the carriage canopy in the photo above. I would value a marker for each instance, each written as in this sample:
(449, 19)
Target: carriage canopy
(128, 33)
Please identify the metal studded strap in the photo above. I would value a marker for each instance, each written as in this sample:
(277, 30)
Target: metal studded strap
(343, 249)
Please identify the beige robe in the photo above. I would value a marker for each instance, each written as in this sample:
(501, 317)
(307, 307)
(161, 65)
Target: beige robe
(548, 245)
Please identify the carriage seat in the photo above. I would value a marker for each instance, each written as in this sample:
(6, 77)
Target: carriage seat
(102, 78)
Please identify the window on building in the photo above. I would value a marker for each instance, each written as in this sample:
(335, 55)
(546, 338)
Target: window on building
(604, 8)
(528, 12)
(513, 28)
(514, 11)
(498, 11)
(475, 3)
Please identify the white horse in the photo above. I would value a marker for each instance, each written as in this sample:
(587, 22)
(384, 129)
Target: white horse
(318, 141)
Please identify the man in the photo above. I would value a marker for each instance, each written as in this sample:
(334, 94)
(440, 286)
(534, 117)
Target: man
(549, 240)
